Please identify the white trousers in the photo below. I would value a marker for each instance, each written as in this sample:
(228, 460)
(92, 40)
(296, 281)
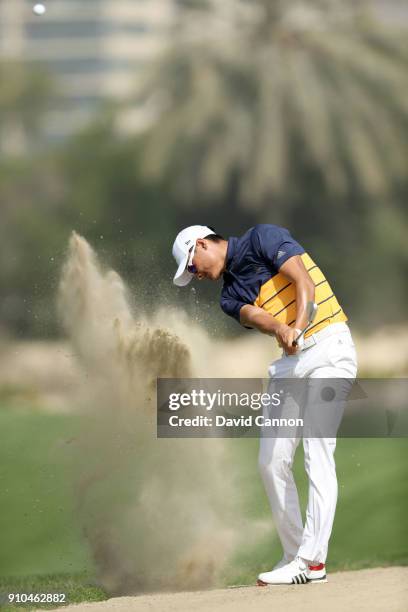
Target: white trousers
(331, 357)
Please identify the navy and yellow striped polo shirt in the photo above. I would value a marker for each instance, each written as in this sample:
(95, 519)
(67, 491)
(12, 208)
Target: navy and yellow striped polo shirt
(252, 277)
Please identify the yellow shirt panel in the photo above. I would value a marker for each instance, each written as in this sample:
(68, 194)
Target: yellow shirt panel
(278, 297)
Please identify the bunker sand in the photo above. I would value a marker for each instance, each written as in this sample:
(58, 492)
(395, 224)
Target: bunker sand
(371, 590)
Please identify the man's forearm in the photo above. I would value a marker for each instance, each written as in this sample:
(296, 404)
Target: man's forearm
(253, 316)
(305, 292)
(295, 271)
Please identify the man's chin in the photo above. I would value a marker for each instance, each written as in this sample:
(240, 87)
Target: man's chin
(212, 276)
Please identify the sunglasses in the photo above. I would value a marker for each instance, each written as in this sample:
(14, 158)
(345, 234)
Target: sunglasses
(190, 266)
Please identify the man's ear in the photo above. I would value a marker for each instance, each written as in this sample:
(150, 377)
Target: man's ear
(202, 243)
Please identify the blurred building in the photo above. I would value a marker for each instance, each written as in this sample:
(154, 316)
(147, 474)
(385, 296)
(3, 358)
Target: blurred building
(95, 49)
(392, 11)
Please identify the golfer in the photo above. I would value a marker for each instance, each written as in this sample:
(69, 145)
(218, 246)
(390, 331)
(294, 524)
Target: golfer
(268, 280)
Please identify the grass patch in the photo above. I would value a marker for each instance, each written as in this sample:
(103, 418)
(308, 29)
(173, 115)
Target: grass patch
(39, 531)
(76, 587)
(43, 548)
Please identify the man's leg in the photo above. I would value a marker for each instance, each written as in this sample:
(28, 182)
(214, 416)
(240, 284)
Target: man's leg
(334, 358)
(276, 455)
(321, 507)
(340, 366)
(275, 464)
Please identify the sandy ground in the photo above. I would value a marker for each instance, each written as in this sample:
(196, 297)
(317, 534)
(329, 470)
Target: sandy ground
(374, 590)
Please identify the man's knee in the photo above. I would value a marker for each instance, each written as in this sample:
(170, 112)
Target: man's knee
(277, 461)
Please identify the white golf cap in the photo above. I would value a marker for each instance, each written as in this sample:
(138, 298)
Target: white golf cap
(181, 251)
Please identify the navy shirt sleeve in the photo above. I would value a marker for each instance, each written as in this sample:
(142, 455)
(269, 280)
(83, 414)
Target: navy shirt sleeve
(231, 306)
(274, 244)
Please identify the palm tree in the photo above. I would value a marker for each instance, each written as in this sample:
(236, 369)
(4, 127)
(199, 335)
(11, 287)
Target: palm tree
(258, 88)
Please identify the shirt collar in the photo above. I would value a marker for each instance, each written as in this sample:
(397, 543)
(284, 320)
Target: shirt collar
(231, 250)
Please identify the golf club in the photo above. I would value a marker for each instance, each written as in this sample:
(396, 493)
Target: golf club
(311, 310)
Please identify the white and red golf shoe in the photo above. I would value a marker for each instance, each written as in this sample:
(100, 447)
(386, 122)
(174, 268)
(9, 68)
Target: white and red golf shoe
(295, 572)
(317, 573)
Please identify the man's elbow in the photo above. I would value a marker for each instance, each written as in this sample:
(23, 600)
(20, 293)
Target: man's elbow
(244, 315)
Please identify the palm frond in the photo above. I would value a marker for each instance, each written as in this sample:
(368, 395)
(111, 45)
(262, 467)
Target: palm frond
(255, 87)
